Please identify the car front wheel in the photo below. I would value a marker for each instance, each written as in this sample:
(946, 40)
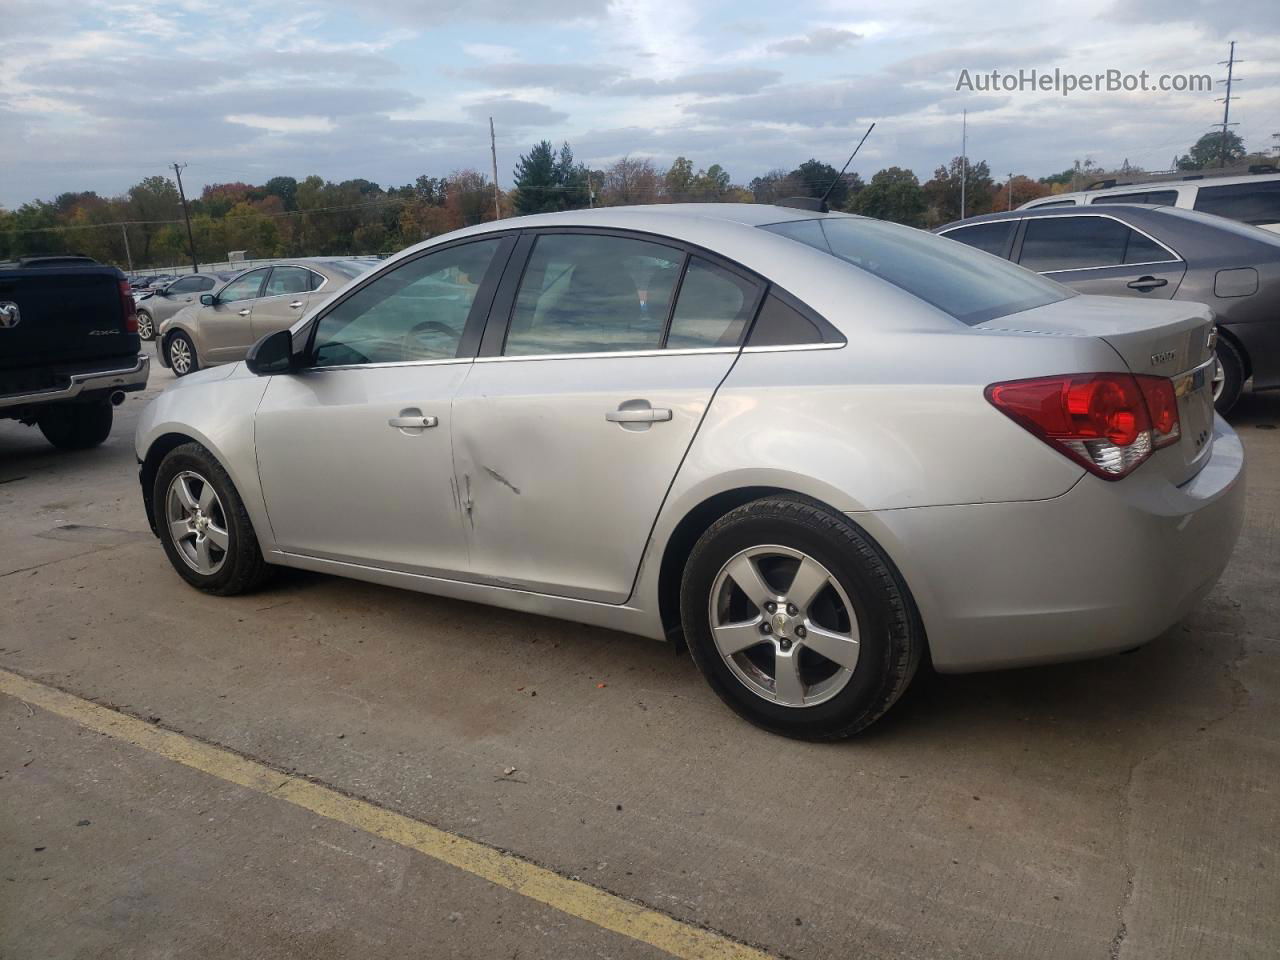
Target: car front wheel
(797, 620)
(181, 353)
(203, 524)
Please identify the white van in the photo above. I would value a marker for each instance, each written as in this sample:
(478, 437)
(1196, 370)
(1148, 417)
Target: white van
(1251, 199)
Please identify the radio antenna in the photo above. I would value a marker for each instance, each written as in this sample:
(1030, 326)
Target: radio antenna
(833, 183)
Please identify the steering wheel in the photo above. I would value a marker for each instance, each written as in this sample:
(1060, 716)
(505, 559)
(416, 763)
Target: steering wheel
(434, 326)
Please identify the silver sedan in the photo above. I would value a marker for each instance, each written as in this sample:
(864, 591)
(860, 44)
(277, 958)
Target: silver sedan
(813, 447)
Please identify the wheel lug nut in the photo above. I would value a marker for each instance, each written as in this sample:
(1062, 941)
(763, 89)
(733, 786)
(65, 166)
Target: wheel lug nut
(765, 628)
(791, 609)
(770, 606)
(800, 632)
(784, 643)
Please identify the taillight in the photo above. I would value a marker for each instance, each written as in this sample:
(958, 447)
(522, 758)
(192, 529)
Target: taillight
(129, 307)
(1107, 422)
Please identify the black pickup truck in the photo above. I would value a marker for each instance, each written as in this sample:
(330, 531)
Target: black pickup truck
(69, 348)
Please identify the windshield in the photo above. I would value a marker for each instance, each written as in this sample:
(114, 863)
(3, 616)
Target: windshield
(970, 285)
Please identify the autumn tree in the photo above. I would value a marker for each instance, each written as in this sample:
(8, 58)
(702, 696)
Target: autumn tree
(631, 180)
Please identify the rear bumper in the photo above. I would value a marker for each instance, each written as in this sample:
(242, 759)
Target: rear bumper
(1100, 569)
(127, 377)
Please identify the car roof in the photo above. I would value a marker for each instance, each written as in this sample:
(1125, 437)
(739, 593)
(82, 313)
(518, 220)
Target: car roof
(1077, 211)
(1149, 186)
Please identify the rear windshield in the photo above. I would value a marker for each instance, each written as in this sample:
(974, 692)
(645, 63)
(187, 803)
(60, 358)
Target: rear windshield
(970, 285)
(352, 268)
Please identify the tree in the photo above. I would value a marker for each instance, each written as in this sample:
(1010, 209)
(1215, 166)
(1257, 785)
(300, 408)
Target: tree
(942, 193)
(630, 181)
(770, 187)
(678, 181)
(1213, 150)
(893, 194)
(469, 197)
(286, 188)
(813, 177)
(155, 198)
(1023, 189)
(548, 181)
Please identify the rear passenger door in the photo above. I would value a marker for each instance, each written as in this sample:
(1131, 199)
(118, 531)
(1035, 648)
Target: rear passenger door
(599, 360)
(1099, 254)
(284, 300)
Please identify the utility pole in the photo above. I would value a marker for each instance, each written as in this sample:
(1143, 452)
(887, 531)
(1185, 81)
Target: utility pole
(191, 243)
(1229, 63)
(493, 150)
(124, 232)
(964, 157)
(1010, 191)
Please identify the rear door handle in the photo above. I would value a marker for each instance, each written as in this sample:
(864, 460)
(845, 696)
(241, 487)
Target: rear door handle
(295, 305)
(1147, 283)
(412, 423)
(244, 313)
(643, 415)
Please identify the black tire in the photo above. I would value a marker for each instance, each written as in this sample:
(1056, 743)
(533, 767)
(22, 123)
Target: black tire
(891, 638)
(146, 326)
(242, 568)
(1233, 375)
(76, 426)
(169, 342)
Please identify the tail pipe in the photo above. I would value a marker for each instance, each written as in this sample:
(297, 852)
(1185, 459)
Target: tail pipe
(117, 398)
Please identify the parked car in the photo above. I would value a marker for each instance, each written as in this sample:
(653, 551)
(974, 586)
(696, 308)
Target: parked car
(1252, 199)
(68, 347)
(160, 303)
(222, 326)
(813, 445)
(1157, 253)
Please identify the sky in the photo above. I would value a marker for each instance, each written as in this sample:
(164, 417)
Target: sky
(98, 94)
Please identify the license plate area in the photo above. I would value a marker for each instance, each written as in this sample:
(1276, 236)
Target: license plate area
(1194, 390)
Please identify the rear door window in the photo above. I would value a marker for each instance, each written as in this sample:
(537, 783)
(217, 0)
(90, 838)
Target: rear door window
(1079, 243)
(990, 237)
(286, 280)
(589, 293)
(1157, 198)
(1257, 203)
(713, 309)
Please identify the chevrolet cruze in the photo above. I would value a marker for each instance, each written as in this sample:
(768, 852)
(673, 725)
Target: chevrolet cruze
(813, 447)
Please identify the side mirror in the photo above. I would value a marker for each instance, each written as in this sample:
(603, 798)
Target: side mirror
(272, 354)
(208, 299)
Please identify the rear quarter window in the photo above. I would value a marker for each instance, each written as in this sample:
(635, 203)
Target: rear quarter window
(969, 285)
(1257, 203)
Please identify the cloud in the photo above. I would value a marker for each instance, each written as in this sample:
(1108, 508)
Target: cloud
(709, 83)
(816, 43)
(431, 13)
(1259, 18)
(512, 112)
(561, 77)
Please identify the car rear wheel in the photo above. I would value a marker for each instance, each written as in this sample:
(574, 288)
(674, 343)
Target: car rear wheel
(182, 354)
(797, 620)
(146, 327)
(203, 524)
(1228, 376)
(76, 426)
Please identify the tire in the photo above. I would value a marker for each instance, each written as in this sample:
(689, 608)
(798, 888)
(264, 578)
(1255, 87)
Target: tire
(1231, 370)
(791, 536)
(76, 426)
(181, 354)
(234, 566)
(146, 326)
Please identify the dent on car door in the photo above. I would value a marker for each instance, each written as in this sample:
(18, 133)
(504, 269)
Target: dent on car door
(354, 452)
(1100, 255)
(566, 440)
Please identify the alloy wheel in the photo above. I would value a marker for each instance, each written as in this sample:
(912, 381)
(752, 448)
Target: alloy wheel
(179, 356)
(145, 330)
(784, 626)
(197, 522)
(1219, 378)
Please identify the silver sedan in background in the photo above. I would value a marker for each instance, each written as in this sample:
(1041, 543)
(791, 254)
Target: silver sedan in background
(222, 325)
(815, 447)
(158, 304)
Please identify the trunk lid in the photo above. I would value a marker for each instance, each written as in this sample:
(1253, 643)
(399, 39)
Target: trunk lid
(1154, 338)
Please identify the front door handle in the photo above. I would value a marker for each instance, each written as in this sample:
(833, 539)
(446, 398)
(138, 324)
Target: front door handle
(639, 415)
(295, 305)
(1147, 283)
(412, 423)
(244, 313)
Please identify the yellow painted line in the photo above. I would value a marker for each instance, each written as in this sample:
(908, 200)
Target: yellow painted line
(573, 897)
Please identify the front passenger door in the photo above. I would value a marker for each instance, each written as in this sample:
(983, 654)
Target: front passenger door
(225, 327)
(355, 452)
(284, 301)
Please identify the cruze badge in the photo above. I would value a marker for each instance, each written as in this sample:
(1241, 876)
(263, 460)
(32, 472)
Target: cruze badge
(1163, 357)
(10, 316)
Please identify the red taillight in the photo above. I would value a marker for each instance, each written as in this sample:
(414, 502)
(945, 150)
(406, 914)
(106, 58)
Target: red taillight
(1107, 422)
(129, 307)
